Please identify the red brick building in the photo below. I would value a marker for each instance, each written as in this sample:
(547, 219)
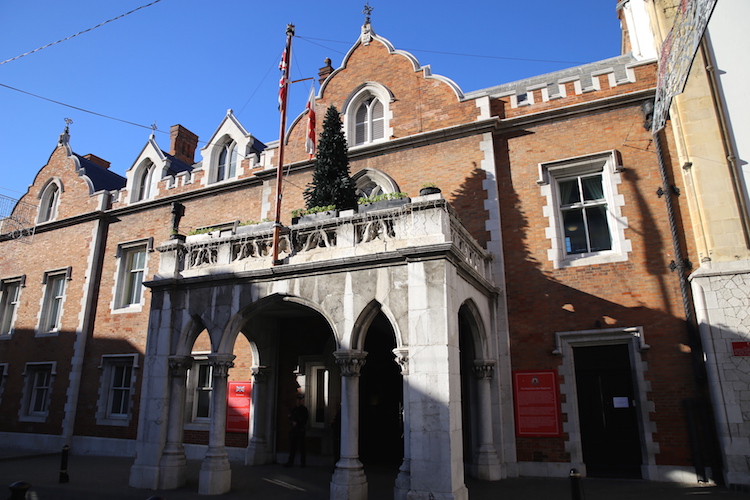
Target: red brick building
(563, 346)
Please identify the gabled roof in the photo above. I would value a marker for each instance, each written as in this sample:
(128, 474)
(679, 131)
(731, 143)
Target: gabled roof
(100, 177)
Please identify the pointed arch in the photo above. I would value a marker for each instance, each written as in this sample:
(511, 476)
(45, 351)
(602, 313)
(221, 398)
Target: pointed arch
(365, 319)
(471, 314)
(49, 200)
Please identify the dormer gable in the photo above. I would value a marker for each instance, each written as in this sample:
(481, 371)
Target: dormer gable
(150, 167)
(225, 154)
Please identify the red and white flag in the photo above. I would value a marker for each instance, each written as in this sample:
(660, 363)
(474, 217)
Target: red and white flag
(284, 80)
(310, 139)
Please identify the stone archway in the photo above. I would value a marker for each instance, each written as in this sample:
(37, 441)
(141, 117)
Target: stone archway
(477, 370)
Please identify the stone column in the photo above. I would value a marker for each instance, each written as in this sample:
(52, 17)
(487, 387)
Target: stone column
(403, 480)
(216, 475)
(257, 448)
(488, 463)
(349, 481)
(172, 467)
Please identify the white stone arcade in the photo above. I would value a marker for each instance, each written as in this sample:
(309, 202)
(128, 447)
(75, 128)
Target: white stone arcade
(415, 264)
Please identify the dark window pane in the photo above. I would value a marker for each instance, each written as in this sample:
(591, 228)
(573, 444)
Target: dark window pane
(569, 192)
(575, 234)
(598, 228)
(592, 188)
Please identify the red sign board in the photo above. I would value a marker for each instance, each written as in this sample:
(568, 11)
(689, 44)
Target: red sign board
(741, 348)
(238, 407)
(536, 403)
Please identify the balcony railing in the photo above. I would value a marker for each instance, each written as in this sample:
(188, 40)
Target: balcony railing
(421, 226)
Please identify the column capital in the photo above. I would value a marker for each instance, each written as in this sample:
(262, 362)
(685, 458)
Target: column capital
(350, 361)
(259, 374)
(402, 358)
(484, 368)
(221, 363)
(179, 365)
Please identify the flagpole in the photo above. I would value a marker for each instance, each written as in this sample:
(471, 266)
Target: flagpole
(282, 130)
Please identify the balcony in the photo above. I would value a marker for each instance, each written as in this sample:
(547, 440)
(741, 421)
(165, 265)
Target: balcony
(423, 228)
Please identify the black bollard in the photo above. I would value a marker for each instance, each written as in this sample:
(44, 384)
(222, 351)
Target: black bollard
(576, 493)
(64, 478)
(18, 490)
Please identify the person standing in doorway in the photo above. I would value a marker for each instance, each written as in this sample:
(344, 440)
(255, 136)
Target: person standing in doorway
(298, 419)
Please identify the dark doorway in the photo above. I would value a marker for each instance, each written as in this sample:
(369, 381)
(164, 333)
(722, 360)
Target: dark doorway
(381, 399)
(469, 413)
(606, 406)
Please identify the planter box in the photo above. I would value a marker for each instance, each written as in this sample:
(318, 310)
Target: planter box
(305, 219)
(383, 205)
(261, 227)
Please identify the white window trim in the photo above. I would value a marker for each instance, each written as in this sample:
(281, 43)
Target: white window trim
(364, 92)
(191, 402)
(634, 337)
(41, 331)
(117, 306)
(308, 368)
(611, 178)
(108, 363)
(152, 180)
(21, 282)
(226, 142)
(45, 201)
(384, 184)
(24, 414)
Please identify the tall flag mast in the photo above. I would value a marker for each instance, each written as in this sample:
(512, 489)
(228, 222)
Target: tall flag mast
(283, 90)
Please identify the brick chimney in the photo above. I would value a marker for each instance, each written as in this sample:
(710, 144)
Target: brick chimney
(182, 144)
(95, 159)
(325, 71)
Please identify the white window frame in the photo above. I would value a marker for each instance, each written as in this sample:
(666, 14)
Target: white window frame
(107, 390)
(608, 163)
(370, 182)
(192, 394)
(10, 290)
(227, 161)
(359, 97)
(49, 201)
(53, 301)
(29, 412)
(146, 181)
(125, 273)
(312, 371)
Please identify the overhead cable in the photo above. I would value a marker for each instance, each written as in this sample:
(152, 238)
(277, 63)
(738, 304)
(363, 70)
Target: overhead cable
(79, 33)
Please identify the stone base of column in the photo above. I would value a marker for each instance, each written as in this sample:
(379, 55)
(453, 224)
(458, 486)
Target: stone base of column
(172, 469)
(488, 466)
(215, 476)
(144, 476)
(460, 494)
(403, 481)
(349, 481)
(256, 453)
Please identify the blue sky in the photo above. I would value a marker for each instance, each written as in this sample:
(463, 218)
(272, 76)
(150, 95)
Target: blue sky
(188, 61)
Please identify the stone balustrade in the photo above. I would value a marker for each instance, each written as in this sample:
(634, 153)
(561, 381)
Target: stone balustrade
(424, 225)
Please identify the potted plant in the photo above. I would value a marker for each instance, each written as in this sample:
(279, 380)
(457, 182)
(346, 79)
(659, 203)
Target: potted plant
(314, 213)
(429, 188)
(382, 201)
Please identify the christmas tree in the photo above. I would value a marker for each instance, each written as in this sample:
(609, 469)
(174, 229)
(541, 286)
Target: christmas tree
(331, 184)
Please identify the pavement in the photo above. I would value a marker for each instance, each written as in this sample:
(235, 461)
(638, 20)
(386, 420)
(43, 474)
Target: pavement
(99, 478)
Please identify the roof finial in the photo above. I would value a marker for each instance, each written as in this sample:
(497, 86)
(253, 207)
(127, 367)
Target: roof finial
(366, 36)
(65, 136)
(367, 11)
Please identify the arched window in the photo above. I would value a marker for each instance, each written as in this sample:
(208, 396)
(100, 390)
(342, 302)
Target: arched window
(369, 121)
(226, 167)
(369, 182)
(145, 187)
(367, 114)
(50, 199)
